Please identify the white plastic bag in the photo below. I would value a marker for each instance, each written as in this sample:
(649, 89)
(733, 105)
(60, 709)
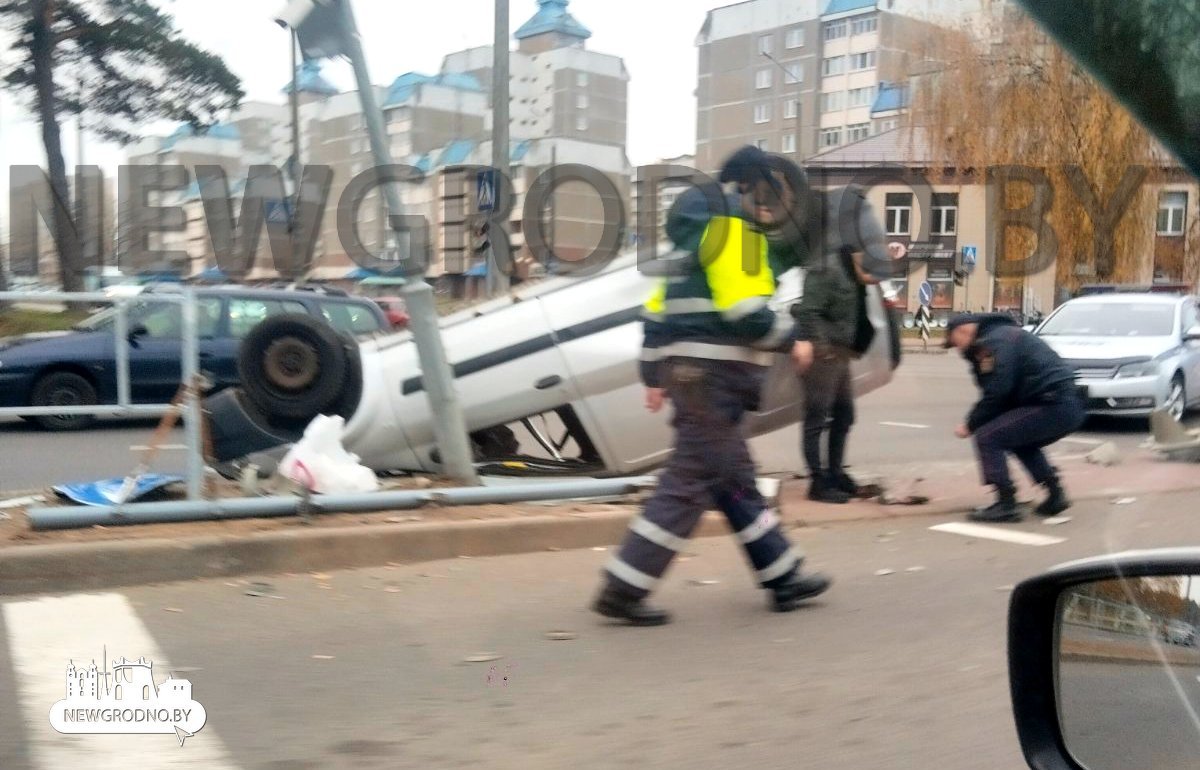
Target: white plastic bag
(322, 465)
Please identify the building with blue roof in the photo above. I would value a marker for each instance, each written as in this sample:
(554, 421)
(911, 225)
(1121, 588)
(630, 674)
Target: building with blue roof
(554, 24)
(309, 80)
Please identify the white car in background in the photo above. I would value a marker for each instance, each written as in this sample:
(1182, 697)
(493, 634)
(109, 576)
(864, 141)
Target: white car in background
(1132, 353)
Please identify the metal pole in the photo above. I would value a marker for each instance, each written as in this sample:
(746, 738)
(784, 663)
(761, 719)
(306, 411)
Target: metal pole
(192, 415)
(243, 508)
(449, 427)
(553, 206)
(496, 281)
(121, 341)
(295, 101)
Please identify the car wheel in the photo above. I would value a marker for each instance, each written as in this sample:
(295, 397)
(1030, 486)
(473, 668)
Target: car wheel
(292, 367)
(1176, 403)
(63, 389)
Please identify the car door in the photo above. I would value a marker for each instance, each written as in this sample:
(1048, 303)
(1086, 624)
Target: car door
(244, 313)
(156, 354)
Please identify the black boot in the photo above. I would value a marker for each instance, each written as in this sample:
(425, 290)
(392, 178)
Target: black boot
(798, 589)
(617, 605)
(1056, 499)
(843, 481)
(1003, 510)
(825, 490)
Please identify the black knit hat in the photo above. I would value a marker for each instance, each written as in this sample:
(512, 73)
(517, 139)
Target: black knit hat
(746, 166)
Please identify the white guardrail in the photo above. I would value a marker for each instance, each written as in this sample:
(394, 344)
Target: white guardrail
(125, 407)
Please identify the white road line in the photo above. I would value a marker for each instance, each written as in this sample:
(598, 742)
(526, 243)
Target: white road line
(170, 447)
(996, 533)
(1084, 441)
(44, 635)
(904, 425)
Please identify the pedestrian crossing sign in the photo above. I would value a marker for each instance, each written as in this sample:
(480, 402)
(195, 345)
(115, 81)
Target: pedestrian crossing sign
(486, 190)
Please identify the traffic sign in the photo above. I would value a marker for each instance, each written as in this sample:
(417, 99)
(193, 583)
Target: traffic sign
(485, 190)
(969, 258)
(926, 294)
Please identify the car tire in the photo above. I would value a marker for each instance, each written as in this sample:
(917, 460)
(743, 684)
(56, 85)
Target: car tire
(63, 389)
(1176, 403)
(292, 367)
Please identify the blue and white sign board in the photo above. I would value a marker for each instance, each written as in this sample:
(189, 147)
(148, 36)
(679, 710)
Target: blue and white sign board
(485, 190)
(926, 293)
(970, 258)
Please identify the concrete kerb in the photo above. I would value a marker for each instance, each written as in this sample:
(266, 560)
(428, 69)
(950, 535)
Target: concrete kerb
(115, 563)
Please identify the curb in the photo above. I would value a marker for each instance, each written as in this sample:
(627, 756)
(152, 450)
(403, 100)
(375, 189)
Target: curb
(52, 568)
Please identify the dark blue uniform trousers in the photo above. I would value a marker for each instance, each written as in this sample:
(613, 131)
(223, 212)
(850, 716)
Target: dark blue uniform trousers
(711, 464)
(1025, 431)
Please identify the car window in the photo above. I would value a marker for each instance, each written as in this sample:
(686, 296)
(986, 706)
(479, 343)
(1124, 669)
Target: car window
(1112, 319)
(349, 317)
(165, 320)
(245, 314)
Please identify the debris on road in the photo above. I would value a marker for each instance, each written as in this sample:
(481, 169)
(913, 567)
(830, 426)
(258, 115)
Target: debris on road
(703, 582)
(320, 576)
(915, 569)
(21, 502)
(1055, 521)
(482, 657)
(1106, 455)
(262, 591)
(172, 609)
(322, 657)
(1004, 589)
(884, 572)
(1124, 501)
(561, 636)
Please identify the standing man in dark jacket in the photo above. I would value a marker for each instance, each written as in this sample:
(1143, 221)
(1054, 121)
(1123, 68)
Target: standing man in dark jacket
(1029, 402)
(710, 335)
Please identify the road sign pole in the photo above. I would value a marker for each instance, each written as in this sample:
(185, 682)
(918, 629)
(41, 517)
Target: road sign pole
(449, 427)
(497, 281)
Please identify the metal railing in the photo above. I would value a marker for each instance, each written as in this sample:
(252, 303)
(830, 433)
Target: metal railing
(190, 359)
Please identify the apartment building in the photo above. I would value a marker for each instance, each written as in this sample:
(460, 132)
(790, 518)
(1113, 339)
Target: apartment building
(802, 76)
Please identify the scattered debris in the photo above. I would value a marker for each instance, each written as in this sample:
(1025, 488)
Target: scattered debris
(553, 548)
(1055, 521)
(915, 569)
(1124, 501)
(561, 636)
(391, 590)
(1106, 455)
(422, 482)
(322, 657)
(22, 502)
(703, 582)
(172, 609)
(599, 548)
(884, 572)
(1004, 589)
(482, 657)
(262, 590)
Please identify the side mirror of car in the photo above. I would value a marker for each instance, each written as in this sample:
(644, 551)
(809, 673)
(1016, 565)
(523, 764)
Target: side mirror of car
(1103, 662)
(1192, 334)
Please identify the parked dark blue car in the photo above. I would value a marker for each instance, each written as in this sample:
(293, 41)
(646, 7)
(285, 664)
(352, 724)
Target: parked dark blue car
(79, 367)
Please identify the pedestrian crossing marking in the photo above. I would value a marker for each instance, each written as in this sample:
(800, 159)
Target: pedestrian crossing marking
(984, 532)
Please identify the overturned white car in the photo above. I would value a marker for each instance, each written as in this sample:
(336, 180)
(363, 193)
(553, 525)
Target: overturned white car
(547, 379)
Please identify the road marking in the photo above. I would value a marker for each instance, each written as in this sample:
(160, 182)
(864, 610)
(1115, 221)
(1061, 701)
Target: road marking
(143, 448)
(1084, 441)
(44, 635)
(904, 425)
(996, 533)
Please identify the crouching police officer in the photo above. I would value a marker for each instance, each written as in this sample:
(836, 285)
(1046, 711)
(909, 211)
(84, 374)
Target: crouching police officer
(710, 335)
(1029, 401)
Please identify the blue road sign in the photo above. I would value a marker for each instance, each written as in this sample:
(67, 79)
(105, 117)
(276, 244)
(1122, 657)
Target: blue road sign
(970, 257)
(485, 190)
(926, 293)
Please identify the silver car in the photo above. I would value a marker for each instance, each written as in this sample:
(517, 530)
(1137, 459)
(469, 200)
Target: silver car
(1132, 353)
(547, 379)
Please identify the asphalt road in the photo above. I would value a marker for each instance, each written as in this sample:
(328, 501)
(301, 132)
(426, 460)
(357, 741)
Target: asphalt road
(369, 668)
(908, 423)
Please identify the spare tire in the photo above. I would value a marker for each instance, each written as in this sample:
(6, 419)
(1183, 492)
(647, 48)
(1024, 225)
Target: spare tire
(292, 366)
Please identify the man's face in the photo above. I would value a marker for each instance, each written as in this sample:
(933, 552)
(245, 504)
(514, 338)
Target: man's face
(963, 336)
(764, 203)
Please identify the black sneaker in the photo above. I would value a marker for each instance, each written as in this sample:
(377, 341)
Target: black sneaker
(824, 490)
(618, 606)
(1056, 501)
(797, 590)
(843, 481)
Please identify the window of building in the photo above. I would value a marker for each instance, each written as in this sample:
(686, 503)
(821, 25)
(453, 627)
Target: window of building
(789, 143)
(763, 145)
(581, 79)
(581, 101)
(831, 137)
(858, 132)
(862, 97)
(834, 65)
(581, 123)
(835, 30)
(864, 25)
(898, 213)
(1172, 213)
(862, 61)
(763, 78)
(888, 125)
(794, 38)
(795, 73)
(791, 109)
(833, 101)
(762, 113)
(945, 214)
(765, 44)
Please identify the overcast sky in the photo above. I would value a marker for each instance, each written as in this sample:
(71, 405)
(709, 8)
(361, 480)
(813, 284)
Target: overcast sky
(655, 37)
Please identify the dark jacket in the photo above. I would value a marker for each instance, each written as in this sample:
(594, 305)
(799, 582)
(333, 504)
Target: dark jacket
(827, 314)
(1013, 368)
